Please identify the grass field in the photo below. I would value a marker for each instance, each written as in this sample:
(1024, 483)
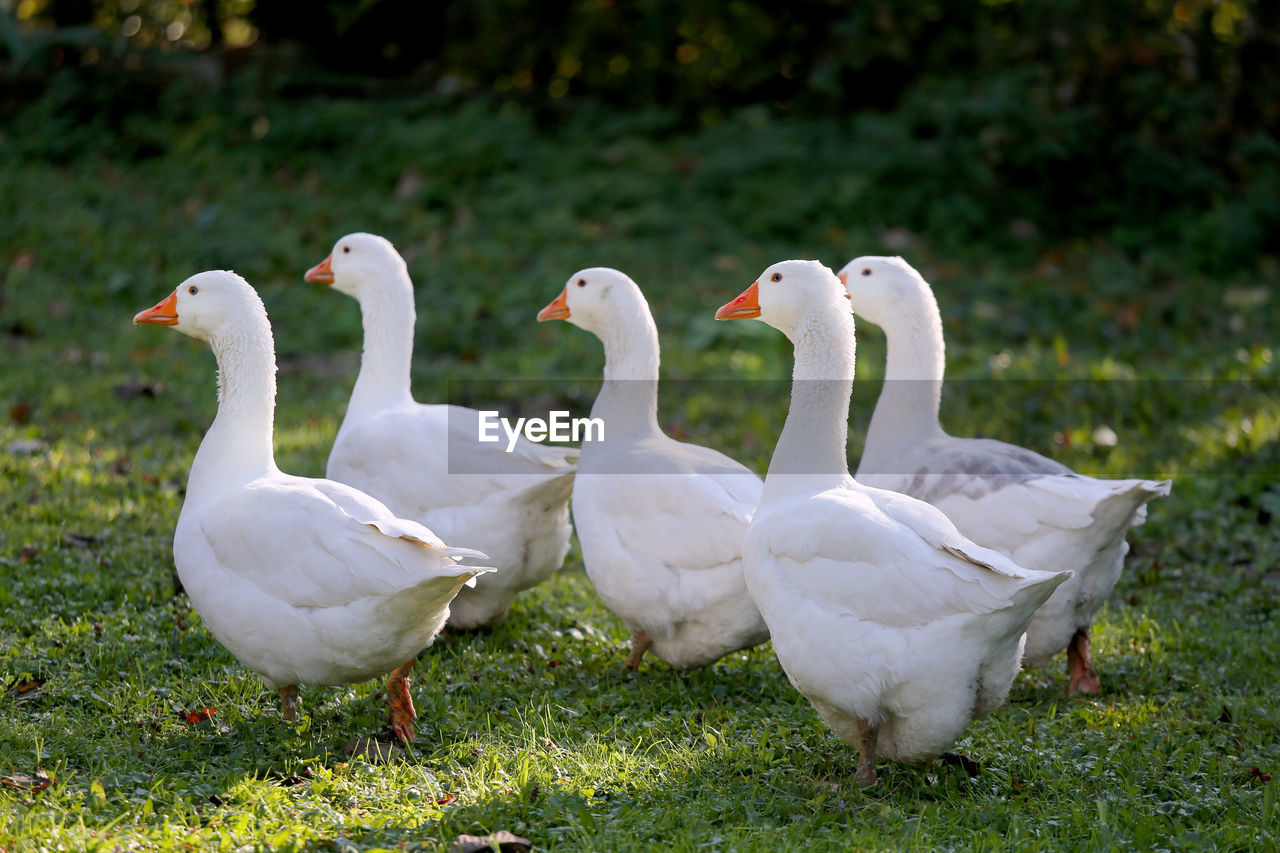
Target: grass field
(532, 727)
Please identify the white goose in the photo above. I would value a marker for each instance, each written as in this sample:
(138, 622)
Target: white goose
(1009, 498)
(305, 581)
(426, 462)
(896, 628)
(660, 521)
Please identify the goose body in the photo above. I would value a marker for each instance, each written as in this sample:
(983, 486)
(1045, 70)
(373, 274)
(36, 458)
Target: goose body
(898, 629)
(305, 581)
(426, 460)
(660, 521)
(1037, 511)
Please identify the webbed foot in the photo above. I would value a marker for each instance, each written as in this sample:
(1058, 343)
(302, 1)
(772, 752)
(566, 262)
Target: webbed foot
(400, 703)
(1082, 677)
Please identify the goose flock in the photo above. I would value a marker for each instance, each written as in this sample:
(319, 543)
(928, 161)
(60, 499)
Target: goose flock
(901, 602)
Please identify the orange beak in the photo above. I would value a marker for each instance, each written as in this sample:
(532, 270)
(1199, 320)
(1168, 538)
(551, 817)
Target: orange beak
(844, 279)
(163, 313)
(744, 307)
(321, 272)
(558, 309)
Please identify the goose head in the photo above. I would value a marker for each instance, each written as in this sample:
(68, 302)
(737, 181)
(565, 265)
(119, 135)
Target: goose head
(205, 304)
(359, 264)
(880, 287)
(787, 295)
(595, 299)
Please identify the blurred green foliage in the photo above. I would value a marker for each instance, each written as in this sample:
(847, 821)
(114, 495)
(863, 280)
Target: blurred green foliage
(1147, 121)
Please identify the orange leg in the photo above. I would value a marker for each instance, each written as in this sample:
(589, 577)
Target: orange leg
(289, 702)
(1082, 677)
(866, 775)
(400, 703)
(640, 643)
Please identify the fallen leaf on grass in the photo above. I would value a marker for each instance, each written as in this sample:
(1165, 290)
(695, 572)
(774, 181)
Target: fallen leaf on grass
(198, 716)
(446, 800)
(507, 842)
(28, 553)
(371, 750)
(20, 413)
(1256, 775)
(26, 783)
(81, 540)
(27, 688)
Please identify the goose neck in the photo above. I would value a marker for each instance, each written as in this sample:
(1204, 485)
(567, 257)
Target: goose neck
(907, 411)
(238, 446)
(386, 361)
(811, 449)
(628, 399)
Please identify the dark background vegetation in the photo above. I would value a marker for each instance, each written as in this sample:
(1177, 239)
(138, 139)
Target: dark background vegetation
(1149, 122)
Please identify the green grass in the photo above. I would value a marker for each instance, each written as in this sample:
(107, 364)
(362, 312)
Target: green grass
(533, 727)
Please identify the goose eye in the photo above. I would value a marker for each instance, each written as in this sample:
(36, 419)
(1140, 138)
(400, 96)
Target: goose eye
(582, 282)
(866, 272)
(346, 250)
(193, 290)
(776, 277)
